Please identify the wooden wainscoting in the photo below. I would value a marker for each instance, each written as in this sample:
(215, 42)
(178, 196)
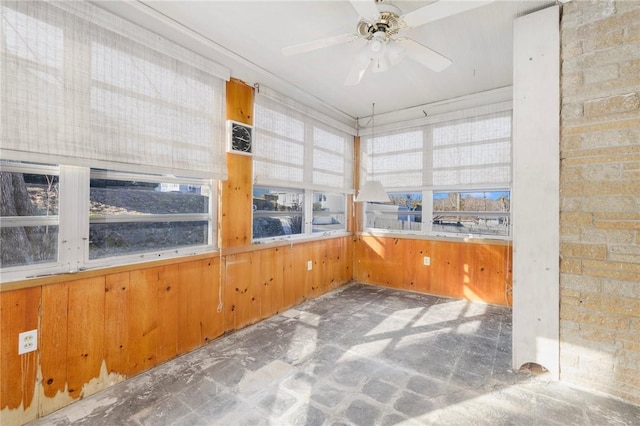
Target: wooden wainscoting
(99, 328)
(477, 271)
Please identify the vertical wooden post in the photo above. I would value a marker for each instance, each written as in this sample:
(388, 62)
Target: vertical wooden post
(236, 193)
(356, 223)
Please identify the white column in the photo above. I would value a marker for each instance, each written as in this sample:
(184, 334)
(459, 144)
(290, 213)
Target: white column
(536, 189)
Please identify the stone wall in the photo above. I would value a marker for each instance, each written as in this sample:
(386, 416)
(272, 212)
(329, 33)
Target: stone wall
(600, 197)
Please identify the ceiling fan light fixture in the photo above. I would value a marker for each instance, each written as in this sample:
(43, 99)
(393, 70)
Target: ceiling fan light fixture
(394, 53)
(378, 44)
(385, 52)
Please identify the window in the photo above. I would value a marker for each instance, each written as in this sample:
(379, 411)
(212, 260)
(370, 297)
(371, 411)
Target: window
(444, 177)
(476, 213)
(108, 218)
(29, 211)
(403, 213)
(277, 212)
(138, 213)
(281, 212)
(302, 166)
(328, 212)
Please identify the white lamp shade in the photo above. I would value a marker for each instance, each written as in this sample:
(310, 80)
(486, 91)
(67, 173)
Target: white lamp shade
(372, 191)
(394, 52)
(377, 45)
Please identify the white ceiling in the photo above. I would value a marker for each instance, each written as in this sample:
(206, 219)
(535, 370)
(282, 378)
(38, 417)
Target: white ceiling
(247, 37)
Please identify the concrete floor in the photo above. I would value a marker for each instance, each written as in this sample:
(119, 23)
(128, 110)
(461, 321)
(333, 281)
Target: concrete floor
(361, 355)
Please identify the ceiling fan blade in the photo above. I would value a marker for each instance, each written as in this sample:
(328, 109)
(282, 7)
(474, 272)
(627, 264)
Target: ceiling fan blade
(318, 44)
(357, 71)
(366, 9)
(423, 55)
(438, 10)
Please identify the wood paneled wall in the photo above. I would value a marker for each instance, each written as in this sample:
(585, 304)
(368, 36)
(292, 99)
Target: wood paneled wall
(18, 373)
(473, 271)
(98, 331)
(261, 282)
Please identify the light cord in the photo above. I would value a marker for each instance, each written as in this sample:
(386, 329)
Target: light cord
(220, 258)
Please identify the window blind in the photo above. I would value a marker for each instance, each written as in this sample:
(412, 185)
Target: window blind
(294, 149)
(473, 151)
(395, 159)
(84, 87)
(468, 153)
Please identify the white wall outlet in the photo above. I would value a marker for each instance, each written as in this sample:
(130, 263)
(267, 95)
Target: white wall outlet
(27, 341)
(426, 260)
(309, 265)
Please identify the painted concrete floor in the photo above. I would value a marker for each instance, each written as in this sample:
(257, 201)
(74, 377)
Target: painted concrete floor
(361, 355)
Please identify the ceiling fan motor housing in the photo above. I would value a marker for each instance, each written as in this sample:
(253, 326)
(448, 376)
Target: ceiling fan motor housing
(388, 23)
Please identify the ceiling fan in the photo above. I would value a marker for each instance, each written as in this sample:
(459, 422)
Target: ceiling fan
(381, 24)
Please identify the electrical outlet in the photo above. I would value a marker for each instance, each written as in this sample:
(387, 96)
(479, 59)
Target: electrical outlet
(27, 341)
(309, 265)
(426, 261)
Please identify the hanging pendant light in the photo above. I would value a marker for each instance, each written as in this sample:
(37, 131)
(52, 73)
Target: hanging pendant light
(372, 190)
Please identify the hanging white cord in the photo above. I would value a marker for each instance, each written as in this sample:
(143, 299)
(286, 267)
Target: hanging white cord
(220, 258)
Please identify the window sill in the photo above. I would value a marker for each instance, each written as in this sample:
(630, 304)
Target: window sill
(502, 241)
(58, 275)
(287, 241)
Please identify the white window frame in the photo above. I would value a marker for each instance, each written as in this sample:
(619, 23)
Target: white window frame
(73, 224)
(331, 213)
(150, 218)
(428, 212)
(303, 214)
(307, 217)
(21, 271)
(428, 187)
(471, 213)
(367, 206)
